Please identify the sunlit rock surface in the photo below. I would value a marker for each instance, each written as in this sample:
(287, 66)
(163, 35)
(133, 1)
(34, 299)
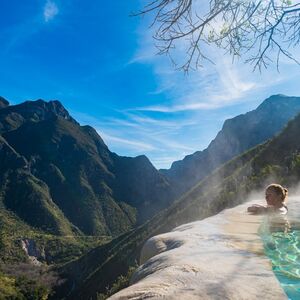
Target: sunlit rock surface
(220, 257)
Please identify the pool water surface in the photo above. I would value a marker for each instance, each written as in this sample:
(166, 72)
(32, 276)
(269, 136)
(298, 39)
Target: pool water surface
(281, 238)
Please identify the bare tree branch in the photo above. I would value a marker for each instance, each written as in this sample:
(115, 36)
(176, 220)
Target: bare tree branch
(253, 29)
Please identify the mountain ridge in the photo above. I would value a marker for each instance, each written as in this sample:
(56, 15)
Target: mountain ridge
(236, 136)
(59, 178)
(97, 191)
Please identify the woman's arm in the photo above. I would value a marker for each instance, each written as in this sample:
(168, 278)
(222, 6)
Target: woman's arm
(257, 209)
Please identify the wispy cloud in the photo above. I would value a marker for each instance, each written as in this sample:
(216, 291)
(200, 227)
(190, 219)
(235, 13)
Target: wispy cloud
(188, 110)
(142, 120)
(206, 90)
(133, 133)
(21, 32)
(139, 146)
(169, 143)
(164, 162)
(178, 108)
(211, 87)
(50, 10)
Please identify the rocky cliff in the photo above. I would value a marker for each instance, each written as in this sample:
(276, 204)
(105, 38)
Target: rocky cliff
(221, 257)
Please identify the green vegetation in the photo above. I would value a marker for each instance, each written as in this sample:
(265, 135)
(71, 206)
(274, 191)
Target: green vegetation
(7, 287)
(121, 283)
(24, 282)
(276, 160)
(75, 206)
(61, 178)
(19, 278)
(62, 192)
(55, 248)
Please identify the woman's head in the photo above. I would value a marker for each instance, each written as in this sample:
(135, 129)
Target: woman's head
(276, 195)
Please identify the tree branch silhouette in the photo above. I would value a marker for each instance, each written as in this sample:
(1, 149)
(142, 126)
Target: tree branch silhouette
(250, 29)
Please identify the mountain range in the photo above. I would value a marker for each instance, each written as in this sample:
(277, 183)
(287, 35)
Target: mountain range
(60, 185)
(237, 135)
(276, 160)
(60, 177)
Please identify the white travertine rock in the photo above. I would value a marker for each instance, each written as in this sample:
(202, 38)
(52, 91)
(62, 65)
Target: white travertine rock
(220, 257)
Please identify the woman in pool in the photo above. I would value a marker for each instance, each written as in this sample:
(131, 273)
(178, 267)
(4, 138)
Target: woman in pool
(276, 201)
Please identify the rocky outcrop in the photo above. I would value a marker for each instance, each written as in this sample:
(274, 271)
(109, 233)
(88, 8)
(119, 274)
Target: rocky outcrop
(3, 102)
(34, 254)
(14, 116)
(220, 257)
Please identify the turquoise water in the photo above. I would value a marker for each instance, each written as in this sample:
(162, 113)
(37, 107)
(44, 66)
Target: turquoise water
(281, 237)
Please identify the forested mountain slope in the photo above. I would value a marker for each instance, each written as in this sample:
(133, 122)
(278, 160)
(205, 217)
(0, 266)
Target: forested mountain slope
(60, 177)
(276, 160)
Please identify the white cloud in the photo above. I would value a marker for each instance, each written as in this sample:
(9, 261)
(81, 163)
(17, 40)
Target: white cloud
(211, 87)
(20, 33)
(146, 121)
(164, 162)
(205, 89)
(50, 10)
(172, 144)
(139, 146)
(177, 108)
(133, 133)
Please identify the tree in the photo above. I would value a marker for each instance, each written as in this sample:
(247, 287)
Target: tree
(261, 31)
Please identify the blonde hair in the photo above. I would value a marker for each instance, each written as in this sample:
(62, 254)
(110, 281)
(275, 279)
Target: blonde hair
(279, 190)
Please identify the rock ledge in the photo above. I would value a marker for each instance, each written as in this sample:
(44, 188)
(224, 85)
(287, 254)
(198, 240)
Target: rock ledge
(220, 257)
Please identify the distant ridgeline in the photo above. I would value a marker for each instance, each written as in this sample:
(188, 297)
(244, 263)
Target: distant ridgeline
(59, 179)
(237, 135)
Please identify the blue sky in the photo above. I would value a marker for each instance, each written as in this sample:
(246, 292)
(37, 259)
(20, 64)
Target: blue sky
(102, 65)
